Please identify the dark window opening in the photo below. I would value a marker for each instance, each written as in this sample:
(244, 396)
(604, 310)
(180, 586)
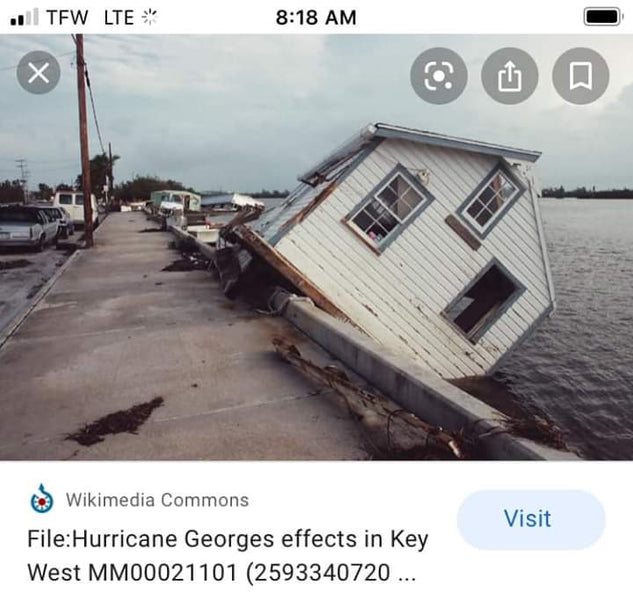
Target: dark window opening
(481, 304)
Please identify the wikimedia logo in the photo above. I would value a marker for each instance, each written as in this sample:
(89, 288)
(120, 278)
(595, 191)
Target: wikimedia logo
(42, 501)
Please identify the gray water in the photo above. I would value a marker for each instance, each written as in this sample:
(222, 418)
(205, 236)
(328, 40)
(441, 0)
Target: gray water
(578, 367)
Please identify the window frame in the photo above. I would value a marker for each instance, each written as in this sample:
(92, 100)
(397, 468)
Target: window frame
(482, 232)
(414, 183)
(501, 311)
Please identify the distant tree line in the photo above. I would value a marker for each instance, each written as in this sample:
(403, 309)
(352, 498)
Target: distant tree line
(12, 192)
(142, 186)
(583, 192)
(138, 188)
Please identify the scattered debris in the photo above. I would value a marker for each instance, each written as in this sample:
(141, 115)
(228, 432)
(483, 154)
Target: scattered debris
(6, 265)
(248, 239)
(67, 246)
(518, 420)
(392, 431)
(36, 288)
(186, 264)
(159, 283)
(122, 421)
(536, 429)
(227, 266)
(191, 261)
(150, 230)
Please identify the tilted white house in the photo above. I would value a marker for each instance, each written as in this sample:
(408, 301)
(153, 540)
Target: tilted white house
(432, 245)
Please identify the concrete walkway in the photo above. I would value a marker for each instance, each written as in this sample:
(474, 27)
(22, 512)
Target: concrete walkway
(116, 331)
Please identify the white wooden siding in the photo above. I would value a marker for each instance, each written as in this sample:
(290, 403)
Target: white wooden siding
(398, 297)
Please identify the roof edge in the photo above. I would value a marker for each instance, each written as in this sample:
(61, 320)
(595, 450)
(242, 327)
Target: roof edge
(386, 130)
(350, 146)
(380, 130)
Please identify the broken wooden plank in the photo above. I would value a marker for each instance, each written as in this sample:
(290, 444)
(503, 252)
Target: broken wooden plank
(244, 215)
(258, 246)
(392, 430)
(306, 210)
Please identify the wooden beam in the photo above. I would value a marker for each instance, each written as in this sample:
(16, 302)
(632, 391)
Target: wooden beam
(258, 246)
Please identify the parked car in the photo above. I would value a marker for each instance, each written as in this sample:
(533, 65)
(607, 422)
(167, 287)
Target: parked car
(68, 223)
(26, 226)
(64, 221)
(73, 202)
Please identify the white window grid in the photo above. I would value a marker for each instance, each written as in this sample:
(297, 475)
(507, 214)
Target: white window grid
(491, 201)
(375, 197)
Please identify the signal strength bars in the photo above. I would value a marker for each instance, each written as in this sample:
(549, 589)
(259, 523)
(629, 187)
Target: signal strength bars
(30, 17)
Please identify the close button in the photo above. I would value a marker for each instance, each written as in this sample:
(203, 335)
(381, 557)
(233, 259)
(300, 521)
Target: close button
(38, 72)
(531, 520)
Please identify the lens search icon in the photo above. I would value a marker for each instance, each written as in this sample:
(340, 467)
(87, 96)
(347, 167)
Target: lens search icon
(42, 501)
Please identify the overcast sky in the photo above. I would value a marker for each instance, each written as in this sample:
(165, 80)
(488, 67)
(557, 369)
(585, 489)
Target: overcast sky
(248, 112)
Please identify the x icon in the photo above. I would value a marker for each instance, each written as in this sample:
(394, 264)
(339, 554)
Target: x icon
(39, 73)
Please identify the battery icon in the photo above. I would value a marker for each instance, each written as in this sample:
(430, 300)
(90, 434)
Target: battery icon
(602, 16)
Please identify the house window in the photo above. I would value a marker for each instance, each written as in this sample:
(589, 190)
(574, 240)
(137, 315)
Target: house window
(395, 202)
(492, 198)
(479, 306)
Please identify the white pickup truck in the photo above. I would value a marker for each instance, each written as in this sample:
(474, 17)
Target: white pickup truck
(26, 226)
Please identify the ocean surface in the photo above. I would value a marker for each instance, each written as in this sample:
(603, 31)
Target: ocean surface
(577, 369)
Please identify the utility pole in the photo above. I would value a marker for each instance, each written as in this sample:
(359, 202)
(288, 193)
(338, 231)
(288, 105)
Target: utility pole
(83, 141)
(24, 175)
(110, 176)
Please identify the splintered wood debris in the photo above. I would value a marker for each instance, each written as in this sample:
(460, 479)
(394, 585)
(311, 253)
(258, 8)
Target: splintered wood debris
(392, 431)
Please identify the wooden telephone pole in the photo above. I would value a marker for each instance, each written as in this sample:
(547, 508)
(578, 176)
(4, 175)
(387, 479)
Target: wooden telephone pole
(110, 177)
(83, 141)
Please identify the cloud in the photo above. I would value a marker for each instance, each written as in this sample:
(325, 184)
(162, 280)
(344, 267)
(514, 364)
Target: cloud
(245, 112)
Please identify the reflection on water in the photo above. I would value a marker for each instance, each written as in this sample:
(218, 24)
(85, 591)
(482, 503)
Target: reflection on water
(578, 367)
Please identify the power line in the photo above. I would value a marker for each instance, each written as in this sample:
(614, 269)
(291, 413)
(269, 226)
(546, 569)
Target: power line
(13, 67)
(94, 110)
(54, 161)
